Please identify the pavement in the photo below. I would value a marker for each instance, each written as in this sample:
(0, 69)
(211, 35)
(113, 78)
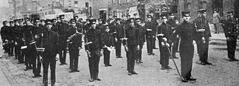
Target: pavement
(222, 73)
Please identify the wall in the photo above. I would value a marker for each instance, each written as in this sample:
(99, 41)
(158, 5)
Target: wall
(97, 5)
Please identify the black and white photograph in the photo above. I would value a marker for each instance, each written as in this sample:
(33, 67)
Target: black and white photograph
(119, 42)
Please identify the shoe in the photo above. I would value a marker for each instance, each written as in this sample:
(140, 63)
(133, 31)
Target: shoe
(63, 64)
(108, 65)
(233, 59)
(163, 68)
(208, 63)
(36, 76)
(134, 73)
(155, 48)
(71, 71)
(168, 67)
(129, 73)
(26, 69)
(202, 63)
(76, 71)
(152, 53)
(91, 80)
(175, 57)
(98, 79)
(184, 80)
(119, 57)
(192, 79)
(140, 62)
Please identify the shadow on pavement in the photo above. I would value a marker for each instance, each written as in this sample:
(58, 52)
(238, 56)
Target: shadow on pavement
(218, 43)
(223, 49)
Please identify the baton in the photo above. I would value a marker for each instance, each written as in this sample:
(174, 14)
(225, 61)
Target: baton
(174, 63)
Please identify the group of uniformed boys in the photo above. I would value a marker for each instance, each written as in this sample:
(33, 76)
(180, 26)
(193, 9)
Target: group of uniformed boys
(35, 41)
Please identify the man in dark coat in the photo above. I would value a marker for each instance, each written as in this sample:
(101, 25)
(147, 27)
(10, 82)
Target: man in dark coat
(230, 27)
(186, 31)
(132, 45)
(93, 48)
(75, 44)
(38, 34)
(203, 36)
(20, 42)
(4, 36)
(119, 35)
(61, 29)
(173, 22)
(107, 43)
(50, 45)
(11, 38)
(165, 40)
(142, 37)
(150, 35)
(30, 50)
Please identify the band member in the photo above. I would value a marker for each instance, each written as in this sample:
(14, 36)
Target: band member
(50, 45)
(29, 41)
(119, 35)
(11, 38)
(93, 49)
(186, 31)
(61, 29)
(39, 39)
(150, 35)
(132, 45)
(107, 43)
(173, 22)
(142, 37)
(17, 39)
(75, 44)
(203, 36)
(165, 41)
(4, 35)
(230, 27)
(20, 42)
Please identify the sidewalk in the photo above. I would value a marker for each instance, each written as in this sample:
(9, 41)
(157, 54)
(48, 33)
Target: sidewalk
(3, 80)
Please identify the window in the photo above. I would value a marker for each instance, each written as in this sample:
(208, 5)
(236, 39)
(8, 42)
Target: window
(75, 2)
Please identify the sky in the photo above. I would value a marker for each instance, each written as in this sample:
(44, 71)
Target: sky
(3, 3)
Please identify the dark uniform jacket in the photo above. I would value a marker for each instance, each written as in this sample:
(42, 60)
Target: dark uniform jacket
(4, 33)
(50, 42)
(61, 29)
(11, 33)
(75, 39)
(202, 23)
(151, 25)
(132, 35)
(113, 28)
(187, 33)
(28, 33)
(119, 31)
(142, 34)
(18, 34)
(94, 36)
(107, 39)
(165, 29)
(230, 28)
(39, 35)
